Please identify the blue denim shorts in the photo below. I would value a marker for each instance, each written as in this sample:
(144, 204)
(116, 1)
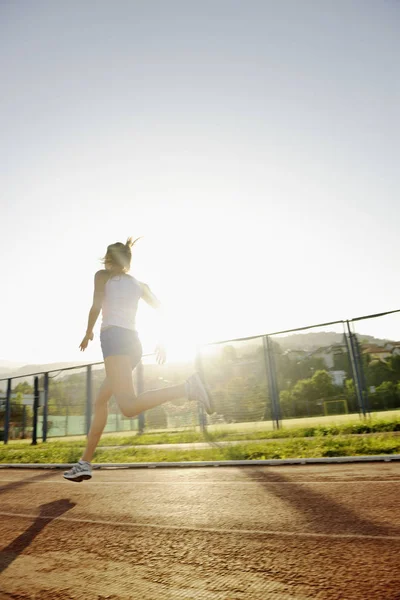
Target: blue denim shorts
(118, 341)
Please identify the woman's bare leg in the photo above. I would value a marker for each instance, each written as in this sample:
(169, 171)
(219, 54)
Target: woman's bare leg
(99, 421)
(119, 376)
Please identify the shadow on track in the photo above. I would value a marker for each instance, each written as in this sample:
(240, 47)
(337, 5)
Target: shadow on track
(21, 482)
(324, 514)
(47, 513)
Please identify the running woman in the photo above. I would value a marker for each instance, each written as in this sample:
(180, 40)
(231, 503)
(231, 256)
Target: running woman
(116, 295)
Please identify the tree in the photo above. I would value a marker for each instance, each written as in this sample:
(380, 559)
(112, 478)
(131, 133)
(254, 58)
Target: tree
(23, 388)
(305, 396)
(341, 361)
(377, 371)
(228, 354)
(286, 404)
(323, 384)
(395, 366)
(290, 371)
(241, 399)
(350, 392)
(17, 414)
(386, 396)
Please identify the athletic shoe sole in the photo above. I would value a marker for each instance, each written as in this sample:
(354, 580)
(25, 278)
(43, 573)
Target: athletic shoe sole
(79, 478)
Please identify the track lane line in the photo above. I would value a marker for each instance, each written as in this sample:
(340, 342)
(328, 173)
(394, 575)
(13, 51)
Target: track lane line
(205, 529)
(62, 481)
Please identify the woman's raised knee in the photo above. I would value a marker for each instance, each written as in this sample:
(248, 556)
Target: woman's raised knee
(127, 407)
(130, 412)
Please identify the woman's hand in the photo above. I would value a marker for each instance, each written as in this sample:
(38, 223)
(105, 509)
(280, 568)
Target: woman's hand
(161, 354)
(84, 343)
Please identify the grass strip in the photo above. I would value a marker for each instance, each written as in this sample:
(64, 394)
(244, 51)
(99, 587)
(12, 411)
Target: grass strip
(182, 437)
(317, 447)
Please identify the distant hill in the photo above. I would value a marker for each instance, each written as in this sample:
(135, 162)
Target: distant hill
(20, 371)
(9, 364)
(313, 340)
(7, 367)
(298, 341)
(310, 341)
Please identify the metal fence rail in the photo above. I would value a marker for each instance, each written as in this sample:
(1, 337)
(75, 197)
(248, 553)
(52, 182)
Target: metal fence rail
(254, 380)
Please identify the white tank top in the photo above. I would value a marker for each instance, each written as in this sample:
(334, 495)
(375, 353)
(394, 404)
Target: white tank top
(120, 302)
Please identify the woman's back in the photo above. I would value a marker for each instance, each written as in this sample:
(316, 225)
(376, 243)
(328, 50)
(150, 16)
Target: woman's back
(120, 302)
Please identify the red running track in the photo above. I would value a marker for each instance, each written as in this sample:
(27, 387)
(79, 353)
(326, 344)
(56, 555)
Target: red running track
(258, 533)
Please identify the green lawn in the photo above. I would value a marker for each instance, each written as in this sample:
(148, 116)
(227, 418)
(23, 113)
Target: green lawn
(296, 428)
(233, 430)
(313, 440)
(306, 421)
(64, 452)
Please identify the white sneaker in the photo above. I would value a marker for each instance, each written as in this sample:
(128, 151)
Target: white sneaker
(196, 390)
(79, 472)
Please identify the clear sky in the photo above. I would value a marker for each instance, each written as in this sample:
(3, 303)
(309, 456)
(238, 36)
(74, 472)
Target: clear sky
(254, 144)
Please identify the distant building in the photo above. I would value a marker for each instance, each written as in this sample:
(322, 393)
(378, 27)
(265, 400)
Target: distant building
(393, 347)
(296, 355)
(338, 377)
(376, 352)
(328, 354)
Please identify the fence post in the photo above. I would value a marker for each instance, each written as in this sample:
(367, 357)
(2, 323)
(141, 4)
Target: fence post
(116, 421)
(356, 369)
(89, 398)
(45, 406)
(363, 381)
(35, 409)
(7, 416)
(140, 390)
(66, 419)
(23, 421)
(272, 384)
(201, 411)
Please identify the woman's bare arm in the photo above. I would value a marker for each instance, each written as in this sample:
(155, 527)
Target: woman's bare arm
(152, 300)
(149, 297)
(99, 283)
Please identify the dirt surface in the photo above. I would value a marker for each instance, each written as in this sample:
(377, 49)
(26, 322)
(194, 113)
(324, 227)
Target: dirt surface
(326, 532)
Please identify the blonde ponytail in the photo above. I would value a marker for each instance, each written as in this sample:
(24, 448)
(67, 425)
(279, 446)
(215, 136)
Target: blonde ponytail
(119, 255)
(130, 242)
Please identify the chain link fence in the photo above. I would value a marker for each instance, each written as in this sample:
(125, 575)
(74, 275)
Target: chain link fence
(311, 374)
